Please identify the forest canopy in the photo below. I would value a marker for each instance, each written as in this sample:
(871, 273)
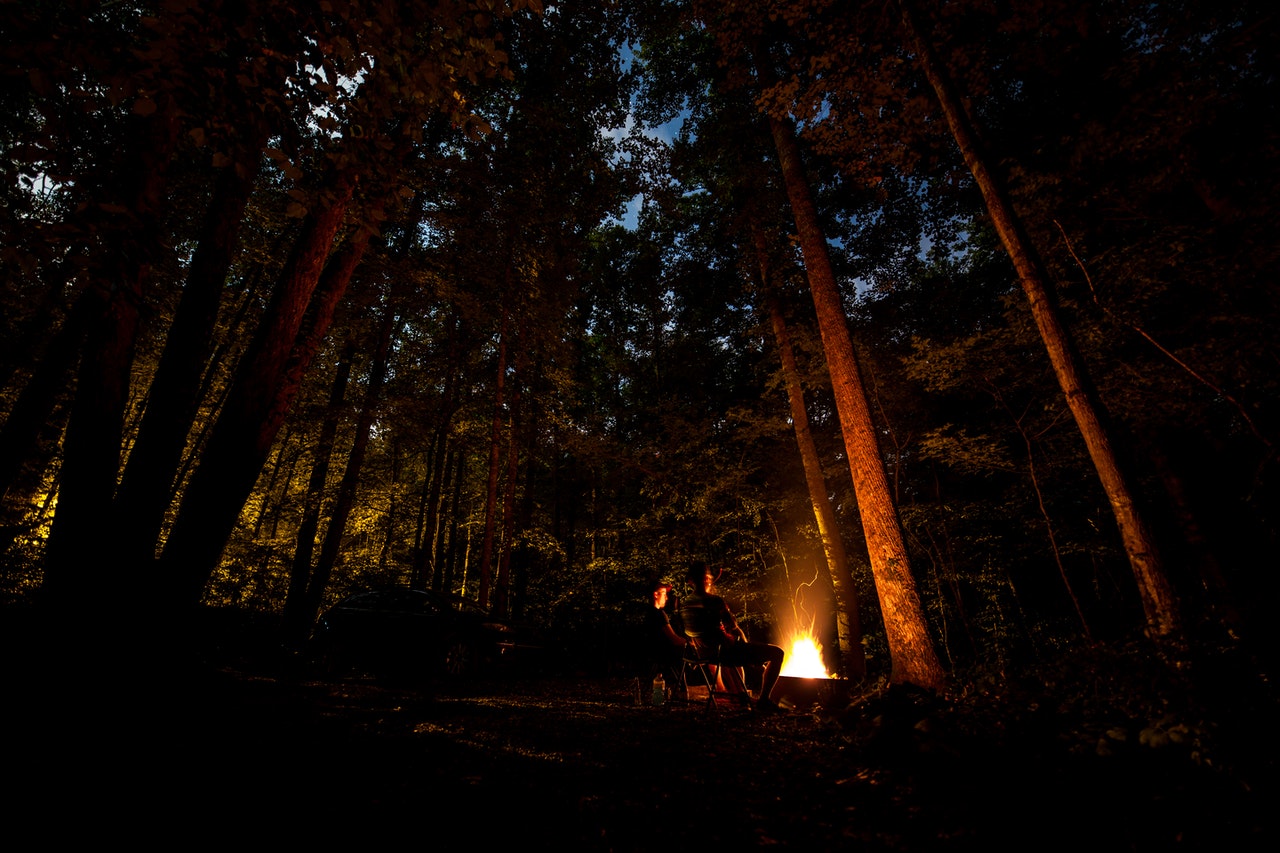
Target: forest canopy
(942, 328)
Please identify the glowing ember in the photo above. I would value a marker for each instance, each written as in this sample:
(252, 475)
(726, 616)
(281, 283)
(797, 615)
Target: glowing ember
(804, 660)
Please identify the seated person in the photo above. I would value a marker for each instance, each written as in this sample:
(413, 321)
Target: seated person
(663, 646)
(711, 627)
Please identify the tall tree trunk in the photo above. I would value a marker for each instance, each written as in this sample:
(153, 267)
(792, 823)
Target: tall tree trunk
(437, 532)
(82, 528)
(31, 336)
(912, 656)
(296, 624)
(282, 496)
(1199, 552)
(264, 387)
(91, 452)
(346, 496)
(502, 584)
(445, 574)
(27, 501)
(522, 557)
(277, 464)
(836, 574)
(1158, 601)
(20, 438)
(427, 556)
(420, 568)
(393, 509)
(495, 462)
(146, 487)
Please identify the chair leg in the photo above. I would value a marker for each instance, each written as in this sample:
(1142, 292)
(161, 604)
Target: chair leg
(709, 677)
(703, 669)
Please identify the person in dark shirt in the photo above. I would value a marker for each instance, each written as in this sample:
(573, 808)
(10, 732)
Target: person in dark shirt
(711, 627)
(664, 645)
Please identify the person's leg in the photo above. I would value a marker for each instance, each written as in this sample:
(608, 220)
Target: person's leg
(674, 666)
(734, 658)
(730, 678)
(772, 657)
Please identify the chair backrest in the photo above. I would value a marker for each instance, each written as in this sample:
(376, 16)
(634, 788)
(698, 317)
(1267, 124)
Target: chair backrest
(701, 651)
(701, 629)
(699, 620)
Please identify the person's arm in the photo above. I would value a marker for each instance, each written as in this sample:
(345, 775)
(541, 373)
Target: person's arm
(729, 625)
(671, 635)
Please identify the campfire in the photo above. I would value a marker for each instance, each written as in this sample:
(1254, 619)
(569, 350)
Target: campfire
(804, 657)
(804, 680)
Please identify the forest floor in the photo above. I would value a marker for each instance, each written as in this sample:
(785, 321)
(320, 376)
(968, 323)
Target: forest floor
(250, 747)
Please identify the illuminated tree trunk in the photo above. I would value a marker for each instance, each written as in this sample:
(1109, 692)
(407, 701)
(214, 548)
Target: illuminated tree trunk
(912, 656)
(836, 572)
(264, 387)
(1157, 597)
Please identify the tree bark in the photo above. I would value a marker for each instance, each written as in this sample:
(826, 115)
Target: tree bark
(423, 566)
(913, 658)
(82, 529)
(837, 576)
(495, 464)
(296, 623)
(20, 437)
(346, 496)
(522, 557)
(429, 547)
(443, 580)
(502, 585)
(1158, 601)
(265, 386)
(146, 487)
(392, 521)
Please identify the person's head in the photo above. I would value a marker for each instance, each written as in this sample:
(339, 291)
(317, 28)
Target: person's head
(700, 576)
(659, 593)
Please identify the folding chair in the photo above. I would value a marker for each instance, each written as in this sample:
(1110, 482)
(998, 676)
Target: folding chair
(707, 664)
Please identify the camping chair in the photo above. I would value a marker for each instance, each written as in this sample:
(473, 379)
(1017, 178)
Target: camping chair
(707, 664)
(711, 668)
(704, 656)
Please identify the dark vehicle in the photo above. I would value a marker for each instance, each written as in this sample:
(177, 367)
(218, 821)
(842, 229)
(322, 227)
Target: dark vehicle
(419, 632)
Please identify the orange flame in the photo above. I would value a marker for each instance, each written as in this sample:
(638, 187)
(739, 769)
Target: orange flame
(804, 660)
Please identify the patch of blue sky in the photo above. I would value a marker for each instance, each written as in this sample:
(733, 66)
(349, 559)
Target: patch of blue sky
(47, 195)
(664, 134)
(40, 185)
(805, 122)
